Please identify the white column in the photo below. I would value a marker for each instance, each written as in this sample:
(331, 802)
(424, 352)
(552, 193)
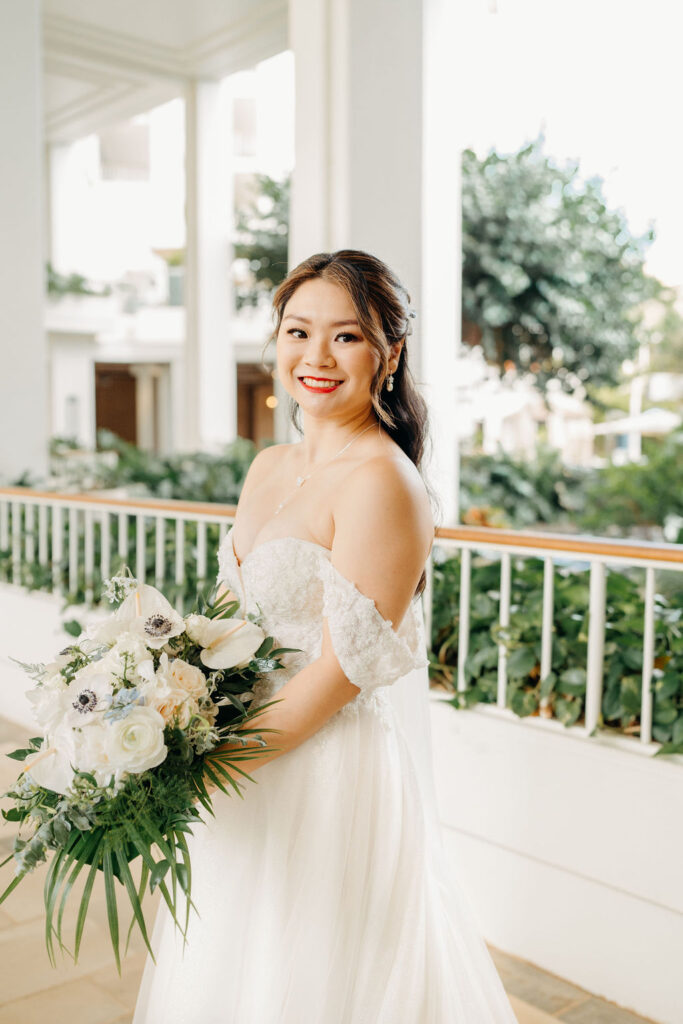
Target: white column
(24, 408)
(210, 373)
(145, 405)
(377, 169)
(441, 247)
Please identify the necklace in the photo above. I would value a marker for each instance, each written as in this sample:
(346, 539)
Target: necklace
(300, 480)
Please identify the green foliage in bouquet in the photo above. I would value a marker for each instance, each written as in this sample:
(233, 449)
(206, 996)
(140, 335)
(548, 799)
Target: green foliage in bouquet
(136, 719)
(561, 694)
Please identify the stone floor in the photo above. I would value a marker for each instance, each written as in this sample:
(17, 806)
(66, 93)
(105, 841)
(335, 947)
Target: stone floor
(91, 992)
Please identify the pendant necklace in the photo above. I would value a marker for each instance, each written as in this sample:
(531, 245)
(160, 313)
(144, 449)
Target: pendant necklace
(300, 480)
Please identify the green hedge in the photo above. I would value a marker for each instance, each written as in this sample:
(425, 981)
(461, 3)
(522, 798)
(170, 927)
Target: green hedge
(564, 688)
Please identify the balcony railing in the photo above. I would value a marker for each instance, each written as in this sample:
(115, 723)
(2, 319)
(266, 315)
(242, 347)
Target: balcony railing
(69, 543)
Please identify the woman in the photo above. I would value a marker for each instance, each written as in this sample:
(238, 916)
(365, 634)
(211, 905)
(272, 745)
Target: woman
(322, 895)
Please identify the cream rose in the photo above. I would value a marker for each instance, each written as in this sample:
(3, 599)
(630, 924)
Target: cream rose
(136, 742)
(176, 691)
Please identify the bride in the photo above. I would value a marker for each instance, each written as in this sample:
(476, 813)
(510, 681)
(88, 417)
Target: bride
(323, 895)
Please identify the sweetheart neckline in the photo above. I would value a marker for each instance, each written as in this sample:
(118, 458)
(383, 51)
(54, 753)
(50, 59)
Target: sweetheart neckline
(271, 540)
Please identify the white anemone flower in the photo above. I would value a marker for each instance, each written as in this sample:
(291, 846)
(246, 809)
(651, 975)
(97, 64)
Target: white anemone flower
(228, 643)
(87, 695)
(146, 613)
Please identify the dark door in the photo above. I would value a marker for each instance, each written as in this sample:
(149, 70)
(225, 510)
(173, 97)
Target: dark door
(115, 400)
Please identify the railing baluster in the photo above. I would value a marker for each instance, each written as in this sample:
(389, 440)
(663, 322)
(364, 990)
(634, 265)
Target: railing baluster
(16, 542)
(179, 560)
(504, 618)
(140, 553)
(105, 546)
(89, 556)
(122, 536)
(159, 552)
(547, 625)
(42, 535)
(4, 525)
(201, 552)
(57, 547)
(29, 534)
(73, 550)
(464, 624)
(648, 657)
(596, 645)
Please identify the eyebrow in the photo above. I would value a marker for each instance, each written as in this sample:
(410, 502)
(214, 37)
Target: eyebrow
(305, 320)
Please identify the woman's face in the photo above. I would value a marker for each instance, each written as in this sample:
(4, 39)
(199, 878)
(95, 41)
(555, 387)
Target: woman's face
(323, 360)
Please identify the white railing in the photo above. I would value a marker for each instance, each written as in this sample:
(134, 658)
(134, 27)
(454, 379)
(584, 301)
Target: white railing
(32, 529)
(103, 523)
(549, 547)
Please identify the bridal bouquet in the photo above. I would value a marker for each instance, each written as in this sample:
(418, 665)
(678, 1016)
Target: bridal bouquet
(132, 718)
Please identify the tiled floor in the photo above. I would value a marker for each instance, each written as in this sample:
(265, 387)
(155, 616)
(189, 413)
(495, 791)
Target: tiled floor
(91, 992)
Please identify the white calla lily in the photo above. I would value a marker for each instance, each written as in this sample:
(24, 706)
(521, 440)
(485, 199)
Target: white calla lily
(232, 643)
(52, 767)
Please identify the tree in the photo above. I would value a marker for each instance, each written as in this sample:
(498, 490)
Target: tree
(552, 278)
(261, 240)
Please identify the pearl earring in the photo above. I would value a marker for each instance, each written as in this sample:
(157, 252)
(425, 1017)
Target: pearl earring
(390, 382)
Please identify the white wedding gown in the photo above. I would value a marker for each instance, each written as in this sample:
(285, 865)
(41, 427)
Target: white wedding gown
(324, 896)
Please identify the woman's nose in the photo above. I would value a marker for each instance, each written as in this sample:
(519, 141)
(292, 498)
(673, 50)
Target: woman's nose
(317, 352)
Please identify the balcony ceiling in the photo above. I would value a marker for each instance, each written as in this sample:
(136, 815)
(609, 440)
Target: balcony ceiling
(105, 61)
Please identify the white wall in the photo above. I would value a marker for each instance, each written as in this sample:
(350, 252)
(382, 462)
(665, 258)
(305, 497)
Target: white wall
(570, 851)
(24, 412)
(31, 632)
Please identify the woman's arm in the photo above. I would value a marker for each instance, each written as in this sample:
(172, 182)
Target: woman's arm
(383, 533)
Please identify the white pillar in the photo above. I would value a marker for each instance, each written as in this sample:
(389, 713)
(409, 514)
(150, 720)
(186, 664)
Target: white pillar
(210, 372)
(24, 409)
(441, 247)
(376, 168)
(145, 405)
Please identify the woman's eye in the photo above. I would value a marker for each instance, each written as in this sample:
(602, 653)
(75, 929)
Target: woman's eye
(351, 336)
(296, 330)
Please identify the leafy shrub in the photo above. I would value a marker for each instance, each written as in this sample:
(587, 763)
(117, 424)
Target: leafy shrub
(562, 693)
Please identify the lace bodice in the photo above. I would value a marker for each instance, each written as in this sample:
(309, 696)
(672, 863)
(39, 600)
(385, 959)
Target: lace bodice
(292, 585)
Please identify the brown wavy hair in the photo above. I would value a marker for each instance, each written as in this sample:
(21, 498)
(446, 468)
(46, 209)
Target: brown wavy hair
(384, 314)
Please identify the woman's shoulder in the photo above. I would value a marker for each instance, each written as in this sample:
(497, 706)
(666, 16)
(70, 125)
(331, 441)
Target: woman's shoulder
(264, 462)
(388, 486)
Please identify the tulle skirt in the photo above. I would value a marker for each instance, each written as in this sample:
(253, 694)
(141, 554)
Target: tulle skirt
(324, 897)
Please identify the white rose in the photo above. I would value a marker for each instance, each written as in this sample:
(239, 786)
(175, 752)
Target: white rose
(92, 754)
(232, 643)
(198, 628)
(136, 742)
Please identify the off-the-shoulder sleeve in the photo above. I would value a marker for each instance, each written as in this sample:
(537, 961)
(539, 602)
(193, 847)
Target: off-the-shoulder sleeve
(370, 652)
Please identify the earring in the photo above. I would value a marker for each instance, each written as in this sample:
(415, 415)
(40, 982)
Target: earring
(390, 382)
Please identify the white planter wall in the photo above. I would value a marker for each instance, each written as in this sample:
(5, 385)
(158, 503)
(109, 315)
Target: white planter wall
(570, 851)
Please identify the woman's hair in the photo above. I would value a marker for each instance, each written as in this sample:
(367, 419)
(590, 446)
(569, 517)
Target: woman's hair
(383, 310)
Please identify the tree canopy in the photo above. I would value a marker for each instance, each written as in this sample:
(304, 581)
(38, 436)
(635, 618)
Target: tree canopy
(261, 236)
(552, 278)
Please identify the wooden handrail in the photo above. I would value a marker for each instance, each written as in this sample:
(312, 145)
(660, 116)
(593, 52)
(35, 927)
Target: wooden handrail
(580, 544)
